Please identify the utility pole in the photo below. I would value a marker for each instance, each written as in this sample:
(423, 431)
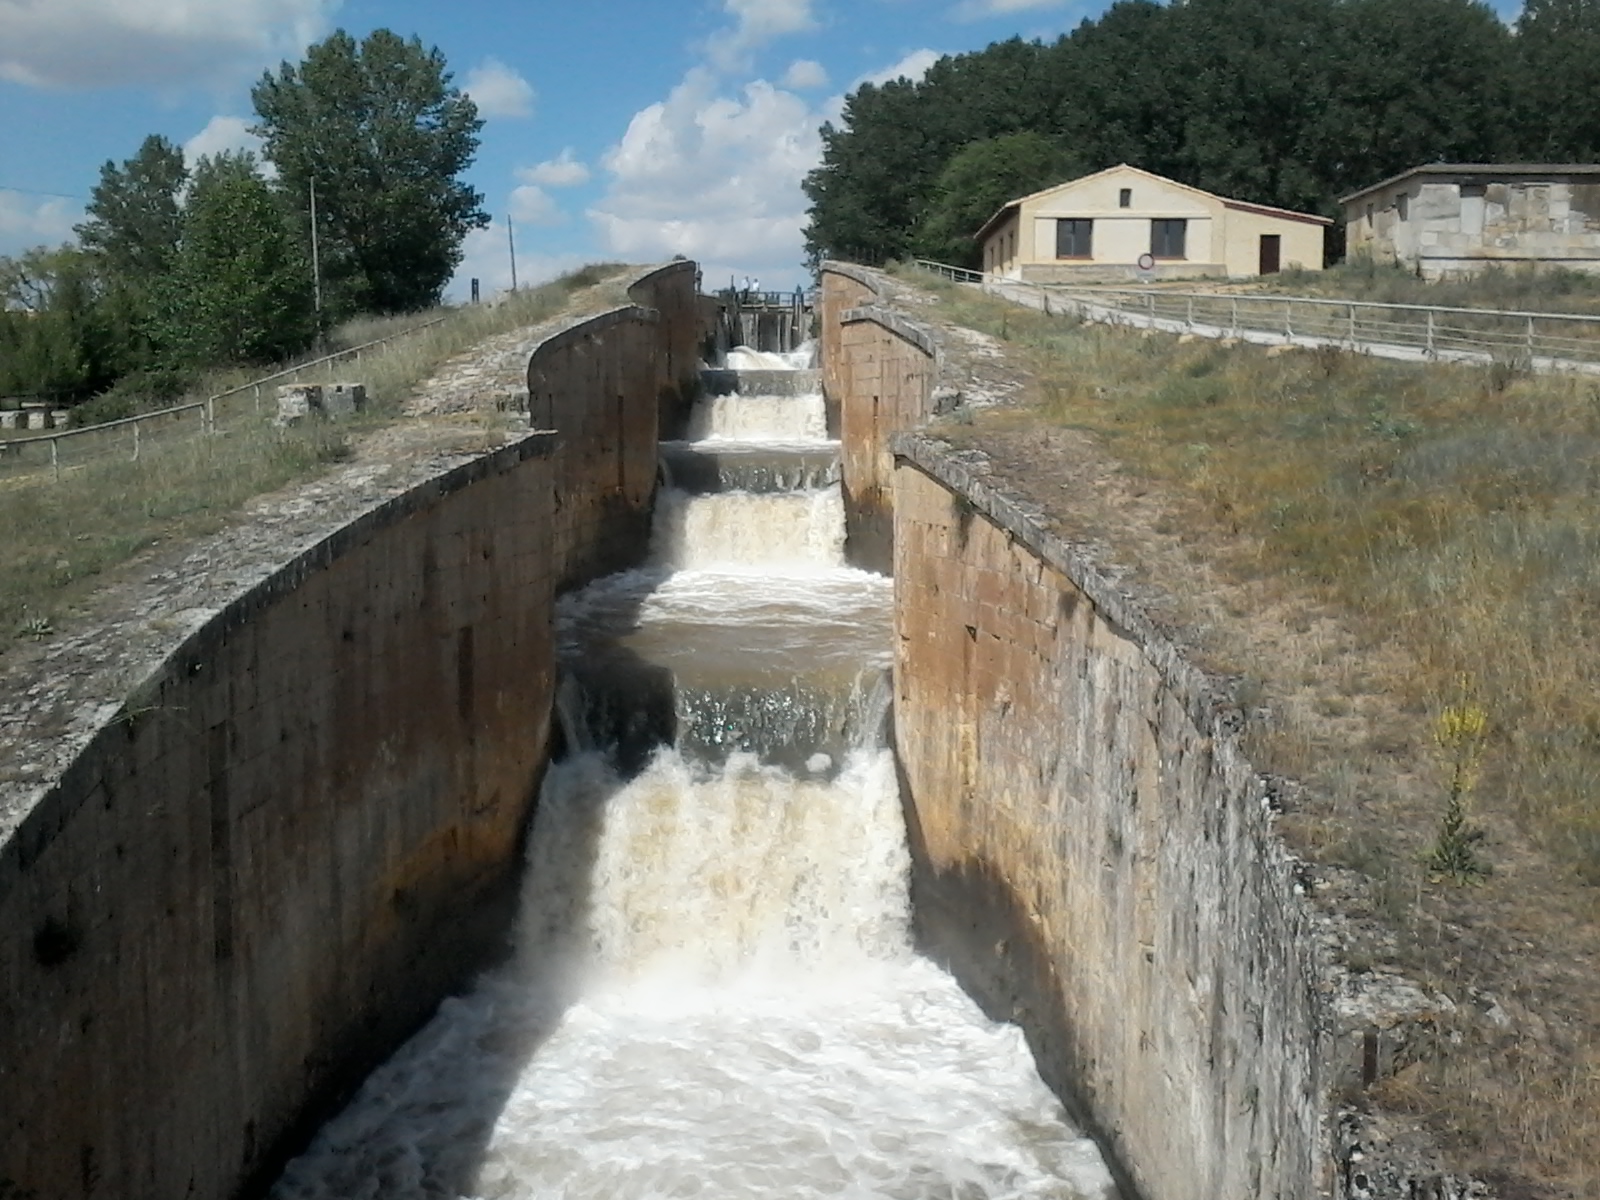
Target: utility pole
(511, 237)
(316, 261)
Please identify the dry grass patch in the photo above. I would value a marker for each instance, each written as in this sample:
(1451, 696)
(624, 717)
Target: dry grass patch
(1519, 289)
(63, 534)
(1391, 544)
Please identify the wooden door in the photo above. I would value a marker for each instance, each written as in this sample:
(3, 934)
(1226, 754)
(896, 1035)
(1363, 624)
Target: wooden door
(1271, 244)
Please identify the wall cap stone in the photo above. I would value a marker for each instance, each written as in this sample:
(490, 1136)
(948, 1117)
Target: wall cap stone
(31, 815)
(917, 334)
(861, 275)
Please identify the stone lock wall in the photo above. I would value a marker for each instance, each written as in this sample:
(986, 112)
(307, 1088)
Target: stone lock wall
(878, 375)
(270, 863)
(1095, 859)
(598, 384)
(672, 293)
(269, 866)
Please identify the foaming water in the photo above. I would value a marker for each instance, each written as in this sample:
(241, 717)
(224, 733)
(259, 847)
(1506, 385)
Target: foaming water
(723, 1004)
(713, 992)
(791, 529)
(743, 358)
(768, 419)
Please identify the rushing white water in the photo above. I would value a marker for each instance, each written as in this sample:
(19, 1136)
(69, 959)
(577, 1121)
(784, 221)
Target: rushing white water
(714, 992)
(783, 420)
(743, 358)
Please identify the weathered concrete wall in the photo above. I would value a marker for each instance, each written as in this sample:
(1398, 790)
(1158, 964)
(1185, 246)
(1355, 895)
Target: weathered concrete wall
(269, 865)
(1095, 856)
(1445, 226)
(672, 292)
(598, 384)
(878, 376)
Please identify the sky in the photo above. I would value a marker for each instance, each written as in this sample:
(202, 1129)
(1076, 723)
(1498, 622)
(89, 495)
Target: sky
(618, 130)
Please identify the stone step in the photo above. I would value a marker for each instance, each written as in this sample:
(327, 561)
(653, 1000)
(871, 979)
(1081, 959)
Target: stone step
(703, 468)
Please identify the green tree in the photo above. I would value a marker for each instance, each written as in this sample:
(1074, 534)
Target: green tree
(1558, 49)
(240, 290)
(134, 218)
(385, 136)
(57, 339)
(978, 179)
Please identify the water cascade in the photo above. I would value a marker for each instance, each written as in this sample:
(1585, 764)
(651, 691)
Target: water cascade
(714, 991)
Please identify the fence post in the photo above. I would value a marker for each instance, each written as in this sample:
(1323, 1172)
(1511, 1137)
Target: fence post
(1188, 318)
(1352, 324)
(55, 460)
(258, 399)
(1288, 320)
(1430, 333)
(1150, 306)
(211, 414)
(1234, 317)
(1530, 341)
(136, 425)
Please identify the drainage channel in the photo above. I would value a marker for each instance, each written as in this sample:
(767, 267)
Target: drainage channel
(714, 991)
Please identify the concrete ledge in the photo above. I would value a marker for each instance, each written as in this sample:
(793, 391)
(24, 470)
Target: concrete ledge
(861, 275)
(919, 336)
(1209, 705)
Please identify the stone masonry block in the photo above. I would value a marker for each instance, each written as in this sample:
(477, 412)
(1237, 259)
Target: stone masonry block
(298, 401)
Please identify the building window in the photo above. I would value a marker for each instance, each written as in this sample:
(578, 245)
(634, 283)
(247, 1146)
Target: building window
(1074, 239)
(1125, 198)
(1402, 205)
(1167, 238)
(1474, 191)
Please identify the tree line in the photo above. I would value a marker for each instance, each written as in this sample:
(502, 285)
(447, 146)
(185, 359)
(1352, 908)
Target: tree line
(179, 267)
(1285, 102)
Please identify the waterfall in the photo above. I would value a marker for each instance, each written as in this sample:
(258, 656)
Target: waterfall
(714, 991)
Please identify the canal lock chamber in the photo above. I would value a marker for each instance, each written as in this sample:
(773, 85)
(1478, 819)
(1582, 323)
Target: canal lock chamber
(714, 989)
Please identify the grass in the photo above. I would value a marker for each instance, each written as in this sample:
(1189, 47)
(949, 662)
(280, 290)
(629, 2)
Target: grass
(64, 535)
(1455, 507)
(1450, 516)
(1517, 288)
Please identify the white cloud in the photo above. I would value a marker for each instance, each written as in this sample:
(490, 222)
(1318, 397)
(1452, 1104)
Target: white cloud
(28, 220)
(976, 10)
(532, 205)
(564, 170)
(805, 73)
(757, 23)
(715, 177)
(486, 257)
(913, 67)
(109, 43)
(219, 135)
(498, 90)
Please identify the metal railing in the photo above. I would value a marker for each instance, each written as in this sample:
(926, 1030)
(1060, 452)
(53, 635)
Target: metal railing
(956, 274)
(44, 455)
(1536, 340)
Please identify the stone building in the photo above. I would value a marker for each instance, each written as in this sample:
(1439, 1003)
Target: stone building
(1452, 219)
(1124, 223)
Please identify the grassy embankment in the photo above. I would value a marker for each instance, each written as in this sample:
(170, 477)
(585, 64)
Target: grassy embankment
(1510, 288)
(63, 535)
(1451, 516)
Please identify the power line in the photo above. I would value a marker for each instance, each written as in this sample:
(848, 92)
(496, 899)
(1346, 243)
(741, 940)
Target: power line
(37, 192)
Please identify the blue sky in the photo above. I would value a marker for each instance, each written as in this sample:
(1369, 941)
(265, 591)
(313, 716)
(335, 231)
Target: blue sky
(617, 129)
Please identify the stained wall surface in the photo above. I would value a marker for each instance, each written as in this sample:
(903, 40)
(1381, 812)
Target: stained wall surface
(281, 853)
(878, 376)
(1095, 856)
(304, 829)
